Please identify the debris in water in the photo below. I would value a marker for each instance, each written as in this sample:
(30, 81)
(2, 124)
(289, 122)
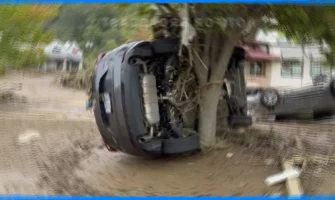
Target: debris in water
(280, 177)
(27, 136)
(269, 161)
(229, 155)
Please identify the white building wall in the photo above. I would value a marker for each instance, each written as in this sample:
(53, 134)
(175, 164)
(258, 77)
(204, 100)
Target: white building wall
(278, 81)
(289, 51)
(292, 52)
(275, 51)
(64, 52)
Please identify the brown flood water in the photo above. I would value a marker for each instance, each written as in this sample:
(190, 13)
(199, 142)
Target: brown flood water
(50, 145)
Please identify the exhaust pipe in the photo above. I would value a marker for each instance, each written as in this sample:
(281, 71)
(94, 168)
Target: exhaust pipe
(147, 138)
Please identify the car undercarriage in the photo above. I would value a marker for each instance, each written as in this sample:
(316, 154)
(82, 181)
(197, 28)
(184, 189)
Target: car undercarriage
(143, 91)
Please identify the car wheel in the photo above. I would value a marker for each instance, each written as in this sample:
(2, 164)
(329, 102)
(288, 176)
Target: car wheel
(322, 114)
(270, 98)
(332, 87)
(283, 117)
(236, 121)
(181, 145)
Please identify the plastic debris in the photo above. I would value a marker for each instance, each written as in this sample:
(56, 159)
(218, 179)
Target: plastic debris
(229, 155)
(269, 161)
(188, 31)
(280, 177)
(28, 136)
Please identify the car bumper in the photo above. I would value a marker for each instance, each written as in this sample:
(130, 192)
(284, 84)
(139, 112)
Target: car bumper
(125, 124)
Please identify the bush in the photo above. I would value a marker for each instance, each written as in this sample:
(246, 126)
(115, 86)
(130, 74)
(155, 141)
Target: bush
(81, 80)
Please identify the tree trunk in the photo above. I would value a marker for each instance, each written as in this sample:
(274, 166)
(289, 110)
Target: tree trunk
(211, 84)
(207, 114)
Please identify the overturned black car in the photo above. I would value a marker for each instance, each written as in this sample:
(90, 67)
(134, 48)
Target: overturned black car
(132, 101)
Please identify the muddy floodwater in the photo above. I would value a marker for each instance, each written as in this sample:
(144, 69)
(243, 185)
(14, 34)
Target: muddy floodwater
(51, 145)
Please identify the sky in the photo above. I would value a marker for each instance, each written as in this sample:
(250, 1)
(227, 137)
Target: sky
(270, 37)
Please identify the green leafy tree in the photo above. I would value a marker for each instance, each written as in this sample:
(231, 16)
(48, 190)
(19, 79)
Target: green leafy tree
(99, 24)
(99, 28)
(22, 33)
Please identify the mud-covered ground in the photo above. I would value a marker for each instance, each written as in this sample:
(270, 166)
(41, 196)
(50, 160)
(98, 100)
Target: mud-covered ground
(50, 145)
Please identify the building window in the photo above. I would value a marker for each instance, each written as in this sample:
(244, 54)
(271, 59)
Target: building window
(257, 69)
(291, 69)
(319, 67)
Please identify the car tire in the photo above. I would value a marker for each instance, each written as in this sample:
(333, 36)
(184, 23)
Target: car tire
(181, 145)
(281, 117)
(237, 121)
(318, 115)
(166, 46)
(270, 93)
(332, 87)
(284, 117)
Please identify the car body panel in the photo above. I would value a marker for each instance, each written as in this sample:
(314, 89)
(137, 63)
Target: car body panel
(121, 80)
(298, 101)
(308, 99)
(116, 74)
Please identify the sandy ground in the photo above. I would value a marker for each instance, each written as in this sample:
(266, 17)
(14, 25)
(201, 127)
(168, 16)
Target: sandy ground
(50, 145)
